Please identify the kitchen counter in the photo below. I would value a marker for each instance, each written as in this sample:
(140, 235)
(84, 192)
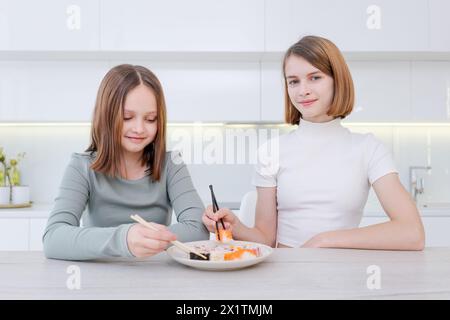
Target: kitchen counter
(286, 274)
(37, 211)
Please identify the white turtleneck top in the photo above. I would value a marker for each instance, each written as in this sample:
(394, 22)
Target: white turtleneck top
(323, 173)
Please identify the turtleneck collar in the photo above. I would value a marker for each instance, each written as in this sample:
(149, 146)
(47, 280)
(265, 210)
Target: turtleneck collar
(320, 128)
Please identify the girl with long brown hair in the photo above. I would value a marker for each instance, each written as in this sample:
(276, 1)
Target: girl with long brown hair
(125, 170)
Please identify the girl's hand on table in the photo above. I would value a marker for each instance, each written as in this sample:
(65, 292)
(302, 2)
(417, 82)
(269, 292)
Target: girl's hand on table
(318, 241)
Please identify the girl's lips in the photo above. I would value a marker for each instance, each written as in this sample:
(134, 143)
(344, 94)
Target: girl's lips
(138, 140)
(307, 103)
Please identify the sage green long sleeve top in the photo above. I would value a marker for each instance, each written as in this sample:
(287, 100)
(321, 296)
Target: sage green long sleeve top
(110, 202)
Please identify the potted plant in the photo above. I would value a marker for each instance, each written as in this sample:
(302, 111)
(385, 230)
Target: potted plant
(11, 191)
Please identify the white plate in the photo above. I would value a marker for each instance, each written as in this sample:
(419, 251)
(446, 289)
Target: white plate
(183, 257)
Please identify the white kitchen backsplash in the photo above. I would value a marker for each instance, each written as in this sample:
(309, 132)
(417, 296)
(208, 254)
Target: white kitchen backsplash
(48, 150)
(426, 146)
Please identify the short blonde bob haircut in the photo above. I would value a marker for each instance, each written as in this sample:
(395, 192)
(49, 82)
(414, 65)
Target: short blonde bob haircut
(107, 125)
(325, 56)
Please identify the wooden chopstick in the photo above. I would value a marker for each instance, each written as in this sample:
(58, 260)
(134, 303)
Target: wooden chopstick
(176, 243)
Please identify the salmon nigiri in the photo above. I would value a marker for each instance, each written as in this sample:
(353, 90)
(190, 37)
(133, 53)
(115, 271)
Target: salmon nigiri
(224, 235)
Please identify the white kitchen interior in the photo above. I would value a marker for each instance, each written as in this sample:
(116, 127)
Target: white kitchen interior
(221, 70)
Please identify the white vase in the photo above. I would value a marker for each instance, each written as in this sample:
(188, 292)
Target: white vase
(4, 195)
(21, 195)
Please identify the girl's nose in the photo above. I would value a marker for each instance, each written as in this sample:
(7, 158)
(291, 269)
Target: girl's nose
(303, 90)
(138, 126)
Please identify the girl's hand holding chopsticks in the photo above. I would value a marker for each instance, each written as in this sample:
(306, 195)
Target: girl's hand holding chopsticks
(144, 242)
(210, 218)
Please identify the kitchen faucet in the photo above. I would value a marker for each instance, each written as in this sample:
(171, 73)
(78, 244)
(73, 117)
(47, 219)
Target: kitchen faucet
(416, 186)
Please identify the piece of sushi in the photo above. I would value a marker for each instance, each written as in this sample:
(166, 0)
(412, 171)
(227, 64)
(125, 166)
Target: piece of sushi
(241, 254)
(193, 256)
(217, 255)
(224, 236)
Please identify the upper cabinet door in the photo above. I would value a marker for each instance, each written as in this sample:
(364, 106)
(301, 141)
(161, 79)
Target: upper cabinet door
(49, 25)
(353, 25)
(439, 25)
(382, 91)
(430, 88)
(278, 21)
(48, 91)
(272, 92)
(210, 91)
(179, 25)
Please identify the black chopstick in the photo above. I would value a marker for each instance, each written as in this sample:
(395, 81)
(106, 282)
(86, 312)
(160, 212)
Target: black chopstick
(214, 210)
(215, 207)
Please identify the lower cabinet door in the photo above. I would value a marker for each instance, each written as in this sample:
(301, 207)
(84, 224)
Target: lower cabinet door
(437, 231)
(14, 234)
(37, 227)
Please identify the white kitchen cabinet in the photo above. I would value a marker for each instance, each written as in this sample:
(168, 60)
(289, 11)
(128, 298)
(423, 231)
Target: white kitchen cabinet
(376, 98)
(178, 25)
(278, 21)
(272, 92)
(14, 234)
(353, 25)
(439, 25)
(22, 228)
(430, 83)
(67, 94)
(22, 233)
(436, 229)
(37, 228)
(209, 91)
(195, 92)
(49, 25)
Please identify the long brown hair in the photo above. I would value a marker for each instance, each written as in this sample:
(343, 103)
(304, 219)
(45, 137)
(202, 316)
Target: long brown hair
(325, 56)
(107, 123)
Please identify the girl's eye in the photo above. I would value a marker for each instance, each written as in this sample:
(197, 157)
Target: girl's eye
(292, 82)
(149, 120)
(314, 78)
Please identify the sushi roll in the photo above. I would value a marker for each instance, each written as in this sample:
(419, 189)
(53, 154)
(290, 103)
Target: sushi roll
(217, 255)
(193, 256)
